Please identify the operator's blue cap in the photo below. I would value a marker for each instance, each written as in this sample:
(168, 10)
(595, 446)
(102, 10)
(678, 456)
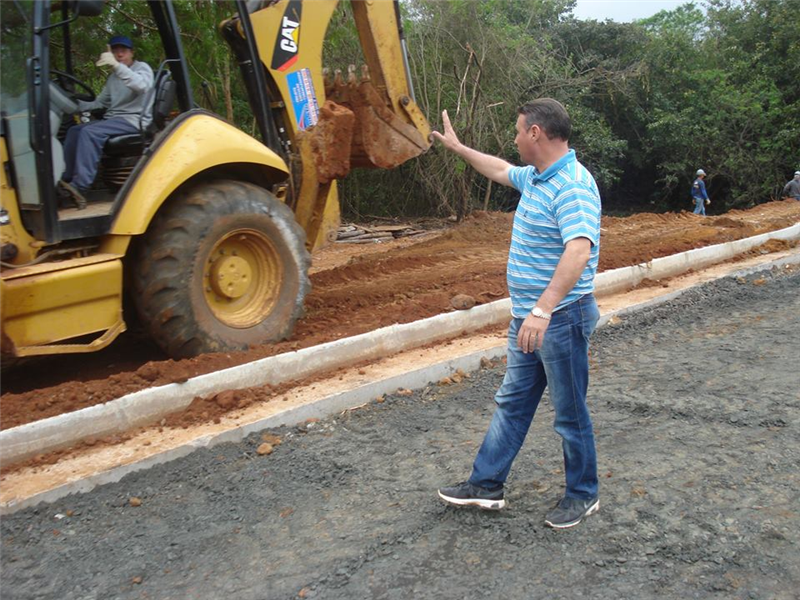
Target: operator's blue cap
(121, 40)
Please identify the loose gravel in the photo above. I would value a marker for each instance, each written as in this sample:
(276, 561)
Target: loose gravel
(697, 410)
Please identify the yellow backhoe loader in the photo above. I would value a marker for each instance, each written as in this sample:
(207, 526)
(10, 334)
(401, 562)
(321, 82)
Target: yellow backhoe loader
(207, 229)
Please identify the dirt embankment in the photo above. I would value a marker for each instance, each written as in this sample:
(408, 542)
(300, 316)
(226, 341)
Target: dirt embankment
(375, 286)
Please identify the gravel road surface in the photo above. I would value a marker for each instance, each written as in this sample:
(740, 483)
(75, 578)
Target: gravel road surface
(697, 411)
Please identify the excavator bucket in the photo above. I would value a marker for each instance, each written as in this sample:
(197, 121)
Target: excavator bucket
(356, 128)
(381, 139)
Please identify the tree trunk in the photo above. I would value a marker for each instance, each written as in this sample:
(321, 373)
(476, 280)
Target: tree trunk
(226, 89)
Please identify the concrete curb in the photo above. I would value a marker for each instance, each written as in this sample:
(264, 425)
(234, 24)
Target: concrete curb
(793, 259)
(324, 407)
(329, 405)
(669, 266)
(150, 405)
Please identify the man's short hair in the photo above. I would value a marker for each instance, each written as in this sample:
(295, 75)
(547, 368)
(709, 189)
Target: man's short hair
(548, 114)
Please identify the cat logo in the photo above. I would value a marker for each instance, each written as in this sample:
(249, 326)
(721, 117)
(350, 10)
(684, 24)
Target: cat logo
(288, 43)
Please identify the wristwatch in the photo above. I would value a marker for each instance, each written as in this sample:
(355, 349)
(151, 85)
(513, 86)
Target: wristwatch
(538, 312)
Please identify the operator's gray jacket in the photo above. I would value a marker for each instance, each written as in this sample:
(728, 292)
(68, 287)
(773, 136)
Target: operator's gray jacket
(124, 93)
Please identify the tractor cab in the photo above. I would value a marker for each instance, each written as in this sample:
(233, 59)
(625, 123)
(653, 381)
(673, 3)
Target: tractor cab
(40, 92)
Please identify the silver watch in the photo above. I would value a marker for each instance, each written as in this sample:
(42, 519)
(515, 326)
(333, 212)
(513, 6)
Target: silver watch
(538, 312)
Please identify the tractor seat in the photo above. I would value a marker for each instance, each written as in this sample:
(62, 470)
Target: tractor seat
(134, 144)
(129, 144)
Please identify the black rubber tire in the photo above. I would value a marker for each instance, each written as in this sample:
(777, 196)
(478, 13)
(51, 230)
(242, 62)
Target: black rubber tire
(168, 278)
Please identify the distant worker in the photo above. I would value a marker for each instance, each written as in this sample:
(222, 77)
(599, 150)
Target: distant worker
(552, 262)
(699, 194)
(792, 189)
(123, 97)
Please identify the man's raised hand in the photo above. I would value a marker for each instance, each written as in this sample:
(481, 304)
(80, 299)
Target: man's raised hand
(449, 139)
(107, 59)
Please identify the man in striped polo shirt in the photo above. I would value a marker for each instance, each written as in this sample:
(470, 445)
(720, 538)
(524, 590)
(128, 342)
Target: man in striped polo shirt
(551, 267)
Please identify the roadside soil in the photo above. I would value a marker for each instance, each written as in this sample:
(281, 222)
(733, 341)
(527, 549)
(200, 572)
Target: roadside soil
(359, 288)
(696, 411)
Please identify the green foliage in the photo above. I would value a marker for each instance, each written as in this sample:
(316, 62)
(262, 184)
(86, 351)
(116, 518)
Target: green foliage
(721, 98)
(651, 101)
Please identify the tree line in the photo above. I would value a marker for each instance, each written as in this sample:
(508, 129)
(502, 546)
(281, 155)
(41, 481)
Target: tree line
(713, 86)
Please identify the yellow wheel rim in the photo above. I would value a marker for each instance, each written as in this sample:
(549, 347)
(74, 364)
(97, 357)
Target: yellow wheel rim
(242, 277)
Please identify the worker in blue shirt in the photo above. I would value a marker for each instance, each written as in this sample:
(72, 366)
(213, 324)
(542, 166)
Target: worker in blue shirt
(699, 194)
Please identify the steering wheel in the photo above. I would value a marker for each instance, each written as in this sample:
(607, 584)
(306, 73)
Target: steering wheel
(62, 77)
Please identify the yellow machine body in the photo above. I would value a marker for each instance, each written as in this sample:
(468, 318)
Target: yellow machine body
(49, 303)
(198, 144)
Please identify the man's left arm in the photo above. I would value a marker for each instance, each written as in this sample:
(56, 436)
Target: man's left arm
(103, 100)
(569, 269)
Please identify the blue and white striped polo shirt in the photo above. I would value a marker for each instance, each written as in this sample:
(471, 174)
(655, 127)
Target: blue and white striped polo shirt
(556, 206)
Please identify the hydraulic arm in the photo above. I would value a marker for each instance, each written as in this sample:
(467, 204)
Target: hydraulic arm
(331, 123)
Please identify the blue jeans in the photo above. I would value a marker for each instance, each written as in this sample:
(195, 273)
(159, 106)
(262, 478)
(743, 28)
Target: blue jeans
(699, 206)
(84, 147)
(562, 364)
